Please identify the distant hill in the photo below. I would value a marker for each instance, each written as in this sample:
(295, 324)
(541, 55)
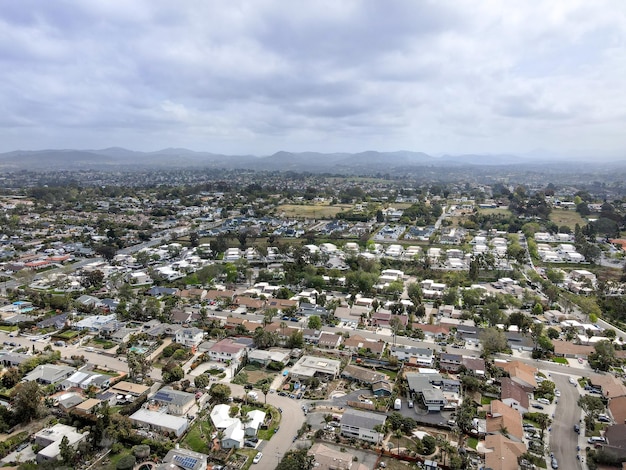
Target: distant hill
(348, 163)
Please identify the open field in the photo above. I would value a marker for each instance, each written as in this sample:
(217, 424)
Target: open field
(316, 211)
(497, 211)
(568, 218)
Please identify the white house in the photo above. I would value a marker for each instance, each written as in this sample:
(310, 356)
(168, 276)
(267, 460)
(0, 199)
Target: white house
(360, 425)
(189, 336)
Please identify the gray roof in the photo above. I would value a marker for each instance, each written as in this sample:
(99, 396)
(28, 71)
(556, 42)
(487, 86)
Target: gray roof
(433, 394)
(417, 382)
(362, 419)
(49, 373)
(173, 397)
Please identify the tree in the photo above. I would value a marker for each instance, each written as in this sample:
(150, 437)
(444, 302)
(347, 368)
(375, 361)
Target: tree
(66, 451)
(535, 333)
(296, 460)
(202, 381)
(493, 341)
(592, 406)
(543, 420)
(603, 358)
(265, 388)
(315, 322)
(106, 251)
(11, 377)
(553, 333)
(219, 392)
(172, 372)
(27, 401)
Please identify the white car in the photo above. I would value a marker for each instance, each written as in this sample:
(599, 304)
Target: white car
(557, 393)
(257, 457)
(572, 380)
(544, 401)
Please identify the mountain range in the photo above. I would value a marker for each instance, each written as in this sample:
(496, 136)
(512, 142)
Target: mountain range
(117, 158)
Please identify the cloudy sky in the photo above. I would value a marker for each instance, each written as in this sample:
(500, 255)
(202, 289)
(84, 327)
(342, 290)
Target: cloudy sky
(258, 76)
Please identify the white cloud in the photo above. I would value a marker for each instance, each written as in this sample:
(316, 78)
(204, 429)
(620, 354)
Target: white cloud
(260, 76)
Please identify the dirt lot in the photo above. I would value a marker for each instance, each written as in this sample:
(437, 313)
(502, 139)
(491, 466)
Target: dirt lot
(317, 211)
(565, 217)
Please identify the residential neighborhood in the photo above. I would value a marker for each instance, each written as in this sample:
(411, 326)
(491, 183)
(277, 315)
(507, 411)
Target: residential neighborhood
(216, 331)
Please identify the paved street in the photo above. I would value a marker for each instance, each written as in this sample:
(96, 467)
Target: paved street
(563, 439)
(292, 419)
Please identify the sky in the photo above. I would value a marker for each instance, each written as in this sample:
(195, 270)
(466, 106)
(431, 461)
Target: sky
(255, 77)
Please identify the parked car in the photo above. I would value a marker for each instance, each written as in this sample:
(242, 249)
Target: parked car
(577, 429)
(257, 458)
(543, 401)
(557, 393)
(554, 464)
(536, 406)
(249, 444)
(572, 380)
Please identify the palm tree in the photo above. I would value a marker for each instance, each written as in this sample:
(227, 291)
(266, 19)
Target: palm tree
(245, 419)
(398, 434)
(265, 389)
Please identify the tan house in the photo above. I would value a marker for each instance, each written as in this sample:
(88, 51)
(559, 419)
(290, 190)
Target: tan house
(502, 419)
(502, 453)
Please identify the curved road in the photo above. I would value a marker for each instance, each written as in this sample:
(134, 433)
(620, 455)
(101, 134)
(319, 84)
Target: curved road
(292, 420)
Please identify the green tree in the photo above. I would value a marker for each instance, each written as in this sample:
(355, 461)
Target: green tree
(172, 372)
(202, 381)
(296, 460)
(603, 358)
(66, 451)
(315, 322)
(219, 392)
(493, 341)
(592, 406)
(27, 401)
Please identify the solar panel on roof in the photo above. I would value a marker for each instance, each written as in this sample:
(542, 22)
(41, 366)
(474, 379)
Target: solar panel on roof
(162, 397)
(185, 462)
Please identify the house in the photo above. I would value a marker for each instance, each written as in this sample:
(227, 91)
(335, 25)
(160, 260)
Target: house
(502, 453)
(249, 303)
(88, 407)
(423, 356)
(159, 292)
(326, 458)
(615, 436)
(362, 374)
(178, 403)
(282, 304)
(329, 340)
(474, 365)
(358, 344)
(502, 417)
(362, 425)
(47, 374)
(522, 374)
(220, 416)
(609, 385)
(307, 309)
(159, 421)
(49, 440)
(189, 337)
(264, 357)
(129, 389)
(514, 395)
(233, 436)
(617, 409)
(256, 417)
(382, 388)
(427, 387)
(313, 366)
(85, 379)
(185, 459)
(450, 362)
(227, 350)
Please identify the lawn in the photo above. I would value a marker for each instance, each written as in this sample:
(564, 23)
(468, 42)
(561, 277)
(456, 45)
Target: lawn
(197, 439)
(496, 211)
(596, 430)
(560, 360)
(472, 442)
(267, 434)
(69, 334)
(8, 328)
(316, 211)
(485, 400)
(568, 218)
(249, 453)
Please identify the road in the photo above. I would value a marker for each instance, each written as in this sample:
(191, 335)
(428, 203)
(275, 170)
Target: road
(563, 439)
(292, 419)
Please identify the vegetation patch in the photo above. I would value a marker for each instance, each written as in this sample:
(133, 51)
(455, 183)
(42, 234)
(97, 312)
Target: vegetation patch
(560, 360)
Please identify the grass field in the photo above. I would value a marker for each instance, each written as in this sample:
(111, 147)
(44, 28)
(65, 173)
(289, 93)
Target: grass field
(316, 211)
(568, 218)
(198, 437)
(496, 211)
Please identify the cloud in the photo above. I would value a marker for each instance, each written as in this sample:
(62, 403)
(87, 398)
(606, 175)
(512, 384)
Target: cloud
(263, 75)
